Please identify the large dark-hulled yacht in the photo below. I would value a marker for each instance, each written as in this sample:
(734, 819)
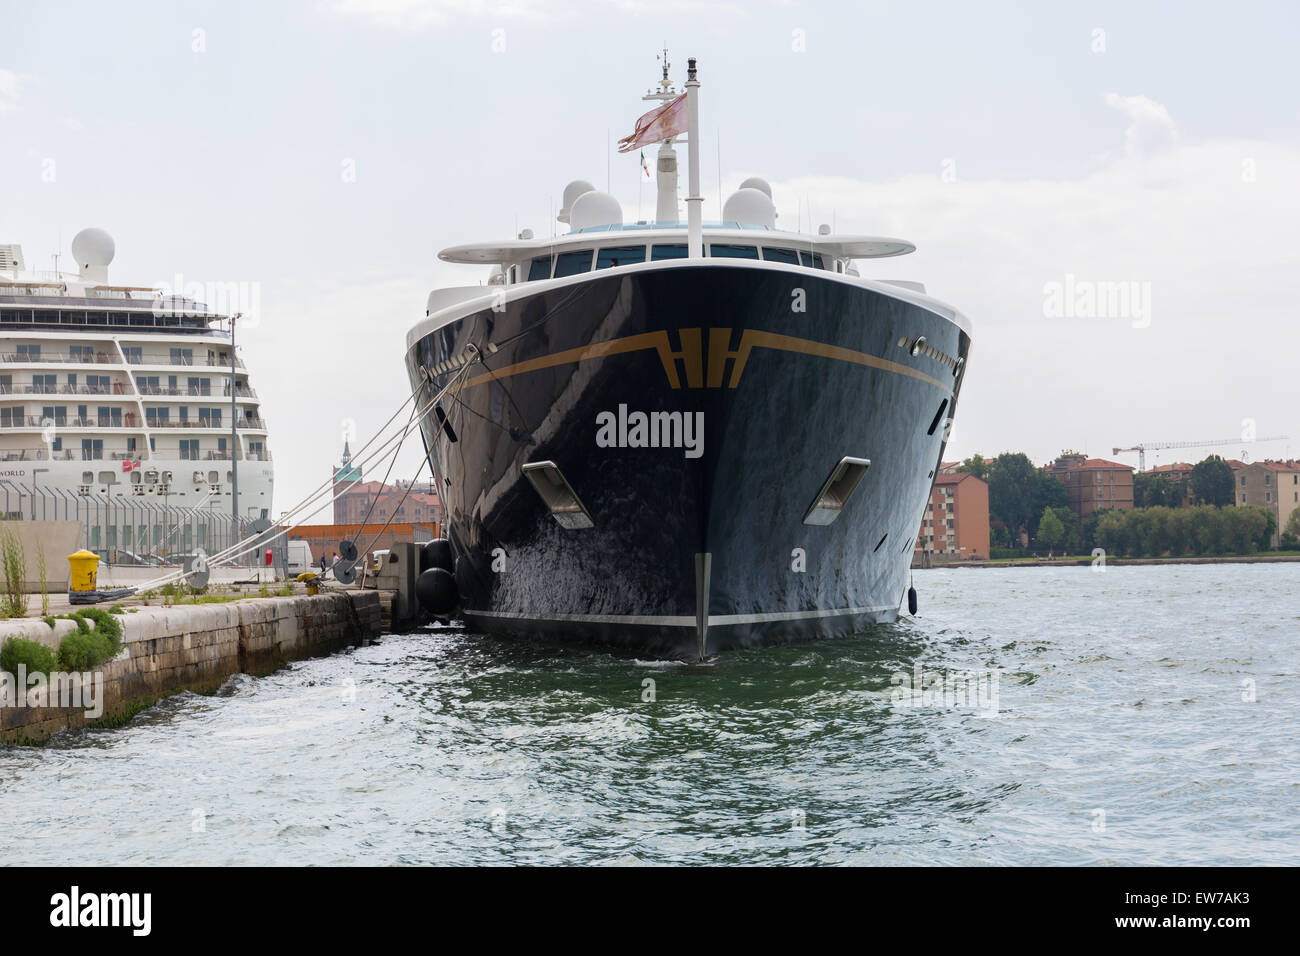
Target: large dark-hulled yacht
(683, 437)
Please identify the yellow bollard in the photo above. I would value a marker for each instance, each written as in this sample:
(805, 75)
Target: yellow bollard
(309, 578)
(83, 568)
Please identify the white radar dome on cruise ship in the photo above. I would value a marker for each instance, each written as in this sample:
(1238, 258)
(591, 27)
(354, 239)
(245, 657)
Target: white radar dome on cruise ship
(750, 207)
(595, 208)
(759, 183)
(93, 249)
(571, 193)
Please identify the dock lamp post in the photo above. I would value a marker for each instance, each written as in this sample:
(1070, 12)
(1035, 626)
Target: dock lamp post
(234, 436)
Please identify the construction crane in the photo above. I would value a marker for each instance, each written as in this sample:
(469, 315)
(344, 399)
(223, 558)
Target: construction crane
(1144, 447)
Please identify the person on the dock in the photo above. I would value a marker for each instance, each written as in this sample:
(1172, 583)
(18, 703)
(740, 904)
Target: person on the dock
(322, 565)
(334, 562)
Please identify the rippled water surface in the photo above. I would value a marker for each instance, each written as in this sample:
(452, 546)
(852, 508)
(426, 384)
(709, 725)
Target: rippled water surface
(1125, 732)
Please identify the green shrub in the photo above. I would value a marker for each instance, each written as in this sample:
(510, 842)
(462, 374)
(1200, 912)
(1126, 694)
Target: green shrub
(81, 651)
(38, 658)
(106, 625)
(117, 609)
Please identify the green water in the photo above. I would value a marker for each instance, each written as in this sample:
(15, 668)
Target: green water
(1143, 715)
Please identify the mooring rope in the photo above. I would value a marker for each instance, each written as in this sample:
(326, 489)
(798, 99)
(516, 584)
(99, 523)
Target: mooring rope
(242, 548)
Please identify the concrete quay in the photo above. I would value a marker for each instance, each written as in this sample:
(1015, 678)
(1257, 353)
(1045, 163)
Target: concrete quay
(197, 647)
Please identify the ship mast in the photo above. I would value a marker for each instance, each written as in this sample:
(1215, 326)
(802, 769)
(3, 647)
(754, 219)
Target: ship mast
(666, 162)
(694, 202)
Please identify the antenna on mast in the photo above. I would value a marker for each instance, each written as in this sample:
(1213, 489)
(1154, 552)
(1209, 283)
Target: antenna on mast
(666, 159)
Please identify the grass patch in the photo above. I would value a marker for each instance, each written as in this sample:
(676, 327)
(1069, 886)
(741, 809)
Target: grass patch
(13, 562)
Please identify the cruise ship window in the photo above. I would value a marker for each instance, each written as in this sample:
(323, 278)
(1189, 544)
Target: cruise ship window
(789, 256)
(812, 259)
(725, 251)
(540, 268)
(673, 251)
(619, 256)
(572, 263)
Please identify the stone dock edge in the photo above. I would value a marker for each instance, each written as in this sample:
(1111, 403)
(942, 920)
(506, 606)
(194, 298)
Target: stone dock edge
(195, 647)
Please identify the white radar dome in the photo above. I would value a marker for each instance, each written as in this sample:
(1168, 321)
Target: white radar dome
(595, 208)
(571, 194)
(759, 183)
(750, 207)
(93, 247)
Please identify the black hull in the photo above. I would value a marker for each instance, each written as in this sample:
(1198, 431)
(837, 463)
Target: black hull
(690, 555)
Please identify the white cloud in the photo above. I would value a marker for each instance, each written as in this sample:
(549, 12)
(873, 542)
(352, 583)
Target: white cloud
(1210, 227)
(1151, 129)
(10, 87)
(419, 14)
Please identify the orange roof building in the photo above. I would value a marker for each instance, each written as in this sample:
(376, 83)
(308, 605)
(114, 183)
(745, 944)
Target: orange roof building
(956, 521)
(1093, 484)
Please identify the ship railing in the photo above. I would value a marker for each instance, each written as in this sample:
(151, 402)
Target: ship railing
(34, 454)
(116, 389)
(44, 358)
(198, 391)
(161, 423)
(184, 361)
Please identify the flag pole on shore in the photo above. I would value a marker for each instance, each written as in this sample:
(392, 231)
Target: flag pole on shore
(694, 201)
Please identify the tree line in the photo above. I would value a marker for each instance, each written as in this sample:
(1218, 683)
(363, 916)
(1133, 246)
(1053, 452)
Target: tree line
(1187, 517)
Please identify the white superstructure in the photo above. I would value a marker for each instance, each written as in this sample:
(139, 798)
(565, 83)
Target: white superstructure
(122, 394)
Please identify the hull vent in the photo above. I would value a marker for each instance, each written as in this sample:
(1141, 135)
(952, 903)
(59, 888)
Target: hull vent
(558, 496)
(830, 501)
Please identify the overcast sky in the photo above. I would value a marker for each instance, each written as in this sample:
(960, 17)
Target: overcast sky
(324, 151)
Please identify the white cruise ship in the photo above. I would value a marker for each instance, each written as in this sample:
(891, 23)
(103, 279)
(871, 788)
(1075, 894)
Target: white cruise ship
(116, 410)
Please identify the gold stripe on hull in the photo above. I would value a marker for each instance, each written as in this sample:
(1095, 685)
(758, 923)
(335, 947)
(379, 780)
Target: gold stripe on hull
(693, 358)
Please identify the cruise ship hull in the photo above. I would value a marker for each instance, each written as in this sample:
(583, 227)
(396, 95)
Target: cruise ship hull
(775, 375)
